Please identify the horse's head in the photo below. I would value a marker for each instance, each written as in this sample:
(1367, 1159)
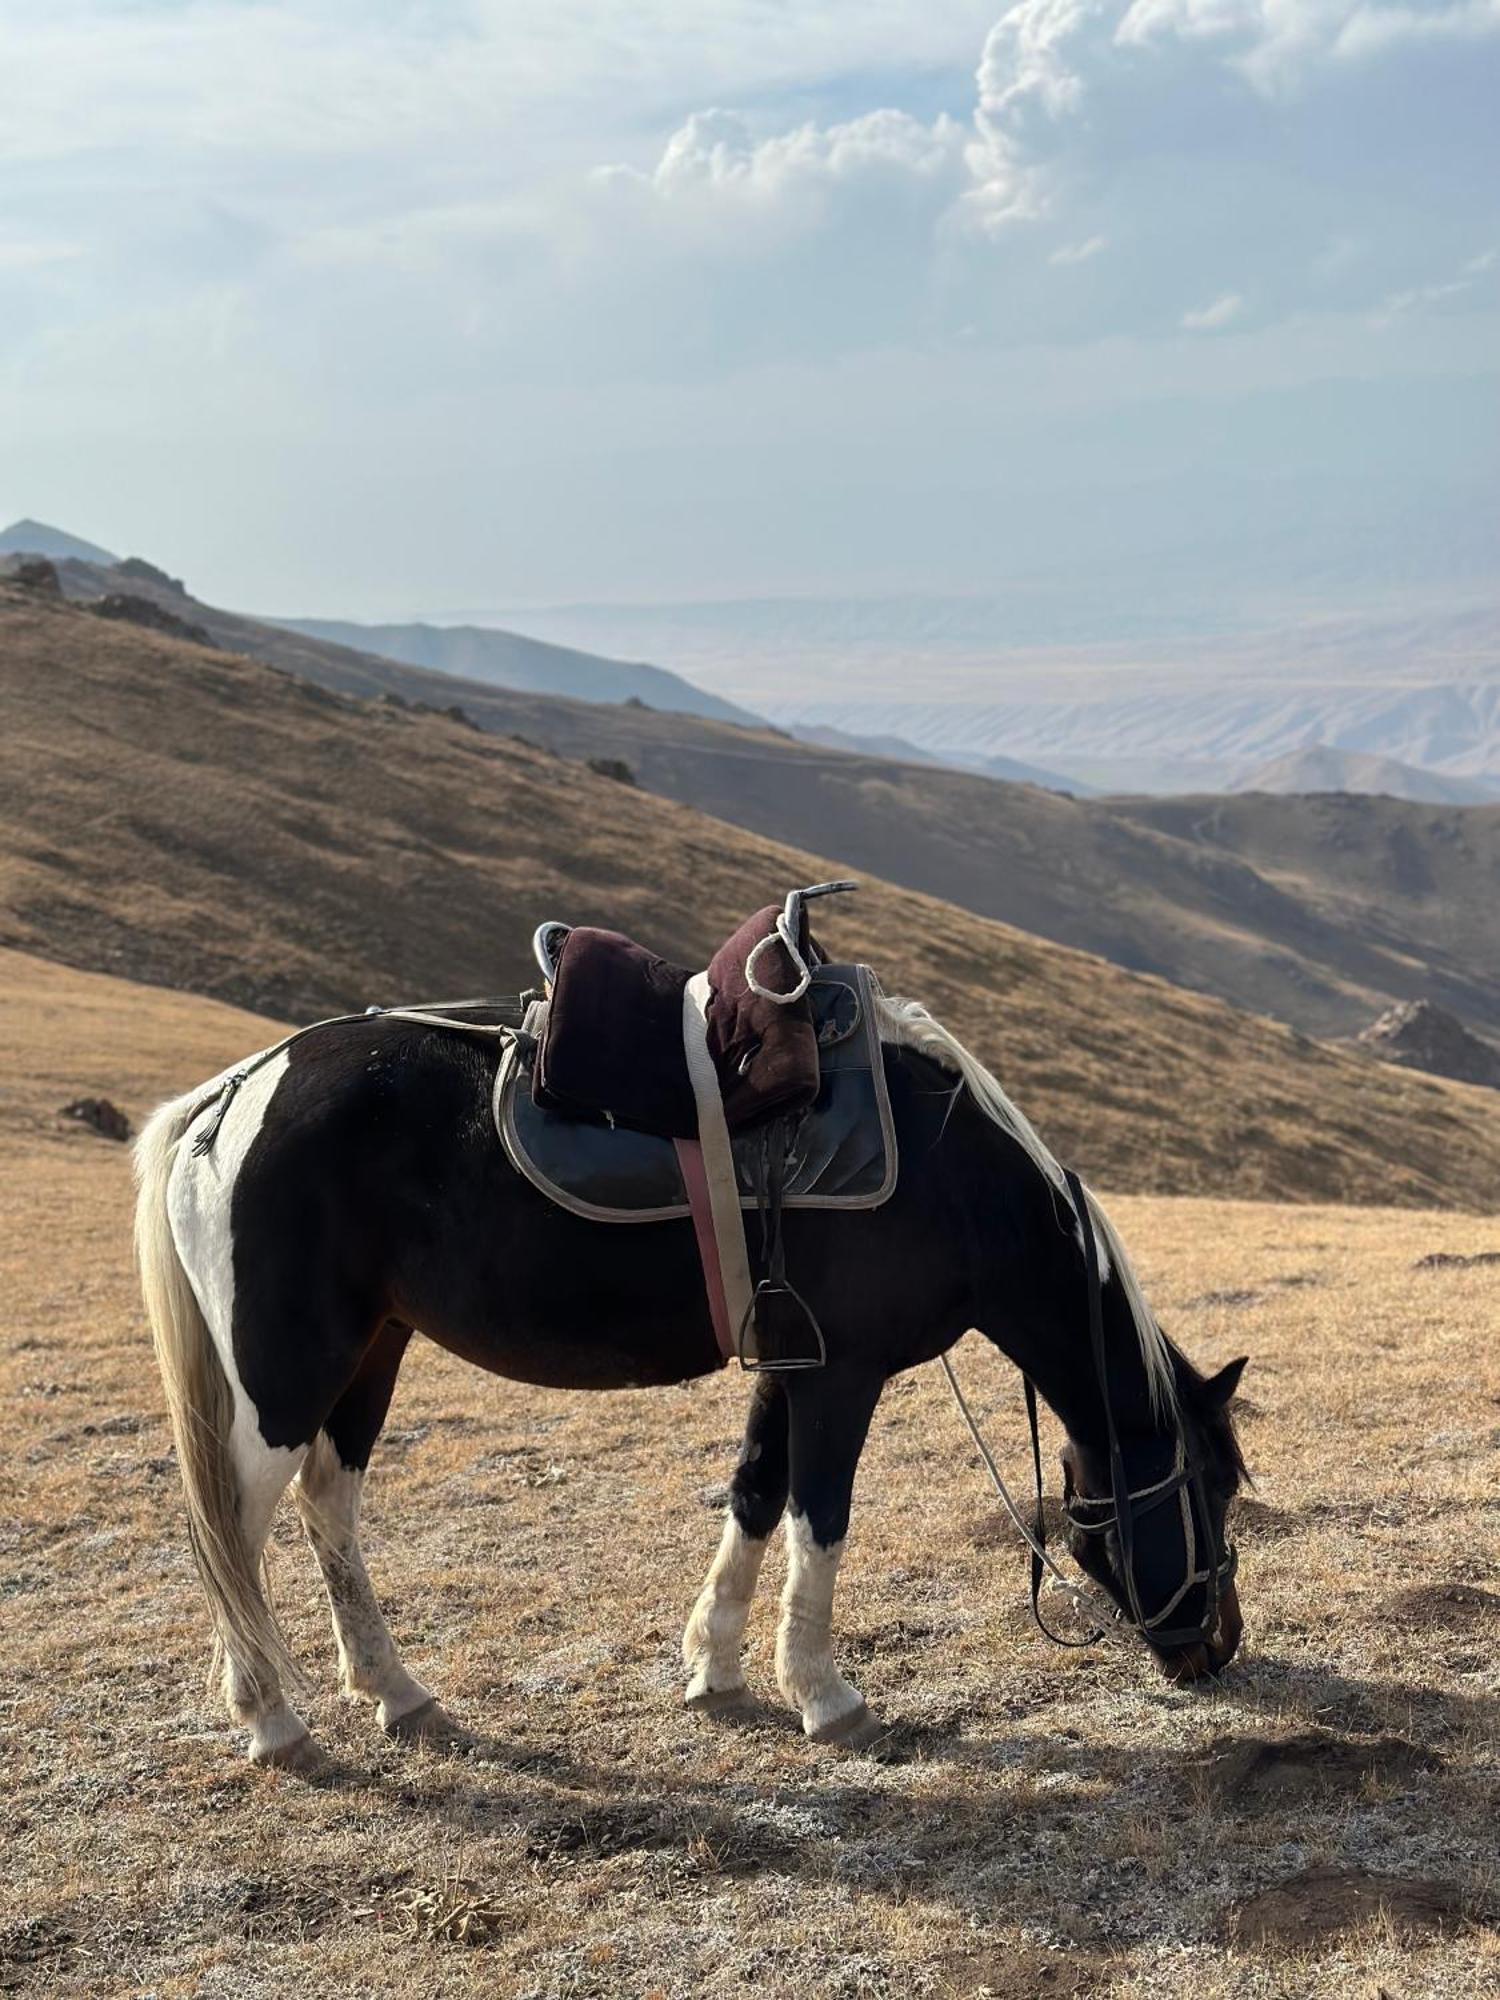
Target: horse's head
(1150, 1530)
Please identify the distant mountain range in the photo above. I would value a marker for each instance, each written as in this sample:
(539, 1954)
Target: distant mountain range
(1402, 703)
(1141, 733)
(1008, 769)
(1321, 768)
(1166, 707)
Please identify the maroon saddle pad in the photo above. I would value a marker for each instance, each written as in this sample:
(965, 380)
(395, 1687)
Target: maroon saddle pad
(613, 1045)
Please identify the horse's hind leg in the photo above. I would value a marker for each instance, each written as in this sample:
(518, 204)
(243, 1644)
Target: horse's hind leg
(251, 1677)
(829, 1417)
(328, 1497)
(757, 1495)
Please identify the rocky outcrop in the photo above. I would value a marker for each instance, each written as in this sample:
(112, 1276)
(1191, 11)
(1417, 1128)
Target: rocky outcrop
(142, 571)
(100, 1116)
(32, 573)
(1421, 1036)
(146, 611)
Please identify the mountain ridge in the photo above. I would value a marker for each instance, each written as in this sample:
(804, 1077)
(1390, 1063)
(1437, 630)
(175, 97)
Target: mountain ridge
(34, 538)
(1319, 767)
(530, 666)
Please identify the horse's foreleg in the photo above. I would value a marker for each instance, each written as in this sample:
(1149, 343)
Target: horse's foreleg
(757, 1496)
(830, 1416)
(328, 1498)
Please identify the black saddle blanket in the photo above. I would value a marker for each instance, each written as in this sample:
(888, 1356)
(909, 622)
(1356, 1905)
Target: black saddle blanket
(842, 1152)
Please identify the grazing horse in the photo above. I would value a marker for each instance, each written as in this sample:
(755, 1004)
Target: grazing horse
(293, 1231)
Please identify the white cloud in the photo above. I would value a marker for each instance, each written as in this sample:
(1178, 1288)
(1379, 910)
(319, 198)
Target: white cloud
(19, 254)
(1371, 30)
(715, 153)
(1030, 84)
(1209, 318)
(1078, 253)
(1416, 298)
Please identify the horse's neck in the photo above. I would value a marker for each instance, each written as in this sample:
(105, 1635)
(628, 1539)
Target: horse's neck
(1031, 1288)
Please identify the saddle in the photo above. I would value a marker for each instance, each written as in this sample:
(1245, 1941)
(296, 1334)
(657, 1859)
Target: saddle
(642, 1093)
(613, 1040)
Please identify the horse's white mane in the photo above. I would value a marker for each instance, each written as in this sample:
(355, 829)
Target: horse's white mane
(908, 1024)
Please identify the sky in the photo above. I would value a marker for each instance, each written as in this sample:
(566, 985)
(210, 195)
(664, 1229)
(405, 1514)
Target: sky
(1168, 308)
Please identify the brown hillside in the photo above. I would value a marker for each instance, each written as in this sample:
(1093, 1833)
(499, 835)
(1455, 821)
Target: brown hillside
(1318, 910)
(193, 819)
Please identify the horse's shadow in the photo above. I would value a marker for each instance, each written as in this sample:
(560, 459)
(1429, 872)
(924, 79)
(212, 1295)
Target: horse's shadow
(955, 1834)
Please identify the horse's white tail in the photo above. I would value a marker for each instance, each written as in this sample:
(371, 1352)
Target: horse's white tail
(200, 1403)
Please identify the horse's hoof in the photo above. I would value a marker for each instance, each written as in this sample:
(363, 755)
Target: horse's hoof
(718, 1701)
(301, 1754)
(855, 1731)
(429, 1723)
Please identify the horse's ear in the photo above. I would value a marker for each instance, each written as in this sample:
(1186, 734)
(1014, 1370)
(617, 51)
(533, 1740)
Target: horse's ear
(1218, 1389)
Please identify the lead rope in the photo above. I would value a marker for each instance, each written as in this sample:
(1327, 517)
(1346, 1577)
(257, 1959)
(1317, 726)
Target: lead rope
(1122, 1500)
(1035, 1539)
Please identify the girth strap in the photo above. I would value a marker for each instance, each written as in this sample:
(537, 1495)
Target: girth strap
(724, 1220)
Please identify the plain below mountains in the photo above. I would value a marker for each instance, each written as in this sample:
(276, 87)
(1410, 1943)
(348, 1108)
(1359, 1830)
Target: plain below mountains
(186, 817)
(1318, 910)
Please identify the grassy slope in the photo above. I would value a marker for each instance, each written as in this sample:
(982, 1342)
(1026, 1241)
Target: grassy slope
(1318, 911)
(197, 820)
(1040, 1822)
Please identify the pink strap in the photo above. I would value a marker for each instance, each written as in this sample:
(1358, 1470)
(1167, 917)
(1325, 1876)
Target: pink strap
(695, 1180)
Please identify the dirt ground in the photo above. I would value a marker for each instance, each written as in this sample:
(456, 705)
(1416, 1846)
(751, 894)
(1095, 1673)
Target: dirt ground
(1034, 1822)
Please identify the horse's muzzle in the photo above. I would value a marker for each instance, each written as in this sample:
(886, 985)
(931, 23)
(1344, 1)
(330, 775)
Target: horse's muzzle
(1200, 1662)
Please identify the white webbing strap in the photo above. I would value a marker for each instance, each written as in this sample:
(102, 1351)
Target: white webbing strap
(718, 1154)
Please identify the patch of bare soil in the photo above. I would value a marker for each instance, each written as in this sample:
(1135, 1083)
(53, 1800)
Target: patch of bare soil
(1257, 1770)
(32, 1948)
(1456, 1607)
(1320, 1902)
(1025, 1974)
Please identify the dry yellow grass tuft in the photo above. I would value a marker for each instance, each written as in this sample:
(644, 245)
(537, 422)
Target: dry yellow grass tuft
(1035, 1822)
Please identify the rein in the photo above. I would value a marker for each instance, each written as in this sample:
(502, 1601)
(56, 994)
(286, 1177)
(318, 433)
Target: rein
(1119, 1509)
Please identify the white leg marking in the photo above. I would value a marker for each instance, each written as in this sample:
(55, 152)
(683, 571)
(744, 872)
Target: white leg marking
(328, 1495)
(198, 1201)
(805, 1670)
(716, 1627)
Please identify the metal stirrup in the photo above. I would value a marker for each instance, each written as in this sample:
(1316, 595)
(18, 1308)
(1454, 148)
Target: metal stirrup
(789, 931)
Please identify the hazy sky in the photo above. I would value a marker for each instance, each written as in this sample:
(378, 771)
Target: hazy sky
(376, 306)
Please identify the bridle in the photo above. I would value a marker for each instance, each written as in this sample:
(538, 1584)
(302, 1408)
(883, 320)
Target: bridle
(1120, 1509)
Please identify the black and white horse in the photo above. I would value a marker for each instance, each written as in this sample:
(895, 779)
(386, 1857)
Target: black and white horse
(356, 1191)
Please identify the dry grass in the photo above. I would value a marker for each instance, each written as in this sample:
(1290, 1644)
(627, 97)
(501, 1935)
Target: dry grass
(1037, 1823)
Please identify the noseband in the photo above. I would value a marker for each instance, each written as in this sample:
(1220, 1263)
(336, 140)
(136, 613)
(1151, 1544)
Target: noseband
(1119, 1510)
(1099, 1516)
